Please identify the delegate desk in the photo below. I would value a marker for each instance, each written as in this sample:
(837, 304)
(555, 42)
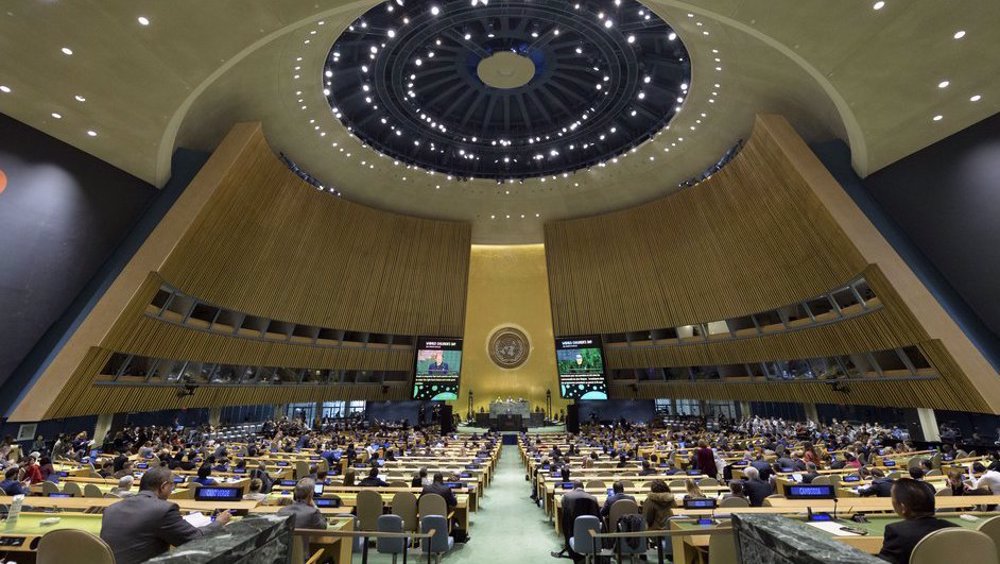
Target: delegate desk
(97, 504)
(640, 497)
(546, 488)
(388, 491)
(23, 537)
(349, 500)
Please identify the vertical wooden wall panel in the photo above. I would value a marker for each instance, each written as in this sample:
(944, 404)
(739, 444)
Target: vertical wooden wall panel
(754, 237)
(268, 244)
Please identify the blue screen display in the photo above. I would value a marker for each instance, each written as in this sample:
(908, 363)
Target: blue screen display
(699, 503)
(218, 494)
(806, 492)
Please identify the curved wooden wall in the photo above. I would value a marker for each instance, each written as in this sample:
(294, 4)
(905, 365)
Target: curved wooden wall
(756, 236)
(263, 242)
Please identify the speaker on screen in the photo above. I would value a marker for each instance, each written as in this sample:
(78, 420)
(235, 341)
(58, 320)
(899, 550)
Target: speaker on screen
(447, 422)
(573, 418)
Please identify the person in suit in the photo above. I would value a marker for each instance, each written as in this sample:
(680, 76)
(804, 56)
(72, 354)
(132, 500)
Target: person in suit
(912, 501)
(811, 473)
(420, 479)
(880, 486)
(439, 366)
(438, 487)
(575, 503)
(618, 492)
(755, 488)
(302, 507)
(145, 525)
(373, 481)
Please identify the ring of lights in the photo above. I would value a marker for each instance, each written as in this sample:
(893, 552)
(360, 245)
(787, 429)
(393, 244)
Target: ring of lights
(607, 76)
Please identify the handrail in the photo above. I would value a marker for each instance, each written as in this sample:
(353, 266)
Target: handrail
(657, 533)
(366, 535)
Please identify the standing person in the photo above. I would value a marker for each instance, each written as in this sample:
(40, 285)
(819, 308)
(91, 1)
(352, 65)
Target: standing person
(704, 458)
(145, 525)
(913, 502)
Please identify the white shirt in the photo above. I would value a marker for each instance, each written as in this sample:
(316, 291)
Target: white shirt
(989, 478)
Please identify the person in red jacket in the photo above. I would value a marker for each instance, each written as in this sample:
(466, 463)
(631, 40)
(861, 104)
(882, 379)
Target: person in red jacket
(704, 458)
(32, 471)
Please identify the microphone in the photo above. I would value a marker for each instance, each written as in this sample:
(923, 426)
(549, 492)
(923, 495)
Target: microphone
(834, 508)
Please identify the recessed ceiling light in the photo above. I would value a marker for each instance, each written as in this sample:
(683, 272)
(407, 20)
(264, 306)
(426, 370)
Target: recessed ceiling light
(938, 117)
(943, 84)
(5, 89)
(435, 10)
(878, 5)
(143, 21)
(56, 115)
(79, 98)
(67, 51)
(959, 34)
(91, 133)
(975, 98)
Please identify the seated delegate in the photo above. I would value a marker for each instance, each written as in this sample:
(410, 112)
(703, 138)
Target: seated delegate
(913, 501)
(145, 525)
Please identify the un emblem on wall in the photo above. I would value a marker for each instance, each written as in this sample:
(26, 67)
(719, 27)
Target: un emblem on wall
(509, 347)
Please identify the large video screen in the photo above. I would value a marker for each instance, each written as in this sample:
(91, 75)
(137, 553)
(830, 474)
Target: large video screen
(439, 363)
(581, 368)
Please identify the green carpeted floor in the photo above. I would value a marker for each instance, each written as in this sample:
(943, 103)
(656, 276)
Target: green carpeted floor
(507, 529)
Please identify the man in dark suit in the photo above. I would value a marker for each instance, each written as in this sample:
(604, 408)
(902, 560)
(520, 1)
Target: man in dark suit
(575, 503)
(755, 488)
(810, 474)
(914, 502)
(880, 486)
(618, 492)
(439, 366)
(146, 524)
(438, 487)
(307, 516)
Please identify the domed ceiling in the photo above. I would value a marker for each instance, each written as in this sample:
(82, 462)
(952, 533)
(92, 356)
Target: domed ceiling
(130, 82)
(508, 89)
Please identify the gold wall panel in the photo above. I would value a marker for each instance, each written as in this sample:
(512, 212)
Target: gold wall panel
(508, 286)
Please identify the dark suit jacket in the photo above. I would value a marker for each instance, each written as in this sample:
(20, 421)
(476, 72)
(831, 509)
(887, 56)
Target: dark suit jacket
(142, 526)
(880, 487)
(611, 501)
(756, 491)
(901, 537)
(306, 516)
(443, 491)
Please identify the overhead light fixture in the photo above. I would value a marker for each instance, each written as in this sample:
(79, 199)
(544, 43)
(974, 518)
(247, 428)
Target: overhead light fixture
(938, 117)
(56, 115)
(67, 51)
(5, 89)
(943, 84)
(143, 21)
(79, 98)
(91, 133)
(976, 98)
(878, 5)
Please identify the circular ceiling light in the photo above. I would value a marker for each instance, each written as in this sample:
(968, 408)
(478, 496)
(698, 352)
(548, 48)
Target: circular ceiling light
(506, 82)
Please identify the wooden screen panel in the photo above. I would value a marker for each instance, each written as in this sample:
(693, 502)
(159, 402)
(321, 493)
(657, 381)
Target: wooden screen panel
(267, 244)
(751, 238)
(271, 245)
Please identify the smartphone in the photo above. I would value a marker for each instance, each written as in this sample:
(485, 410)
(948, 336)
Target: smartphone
(854, 530)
